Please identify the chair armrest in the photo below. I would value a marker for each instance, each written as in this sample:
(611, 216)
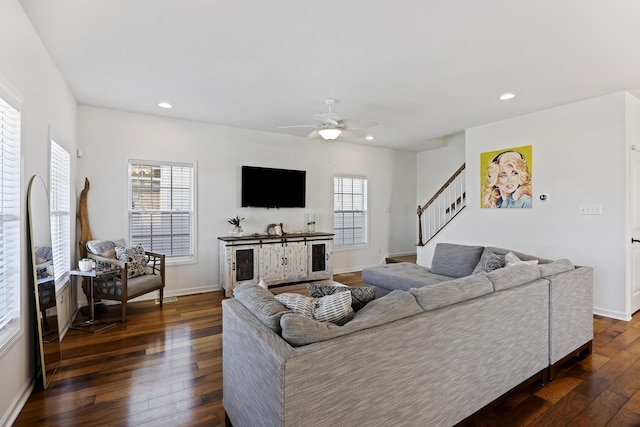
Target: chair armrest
(156, 262)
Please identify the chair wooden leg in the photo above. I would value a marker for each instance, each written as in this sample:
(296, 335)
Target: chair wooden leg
(161, 296)
(124, 311)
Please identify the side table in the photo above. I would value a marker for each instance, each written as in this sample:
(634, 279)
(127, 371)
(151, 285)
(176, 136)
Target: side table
(92, 325)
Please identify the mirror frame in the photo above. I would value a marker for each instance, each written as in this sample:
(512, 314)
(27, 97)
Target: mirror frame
(49, 354)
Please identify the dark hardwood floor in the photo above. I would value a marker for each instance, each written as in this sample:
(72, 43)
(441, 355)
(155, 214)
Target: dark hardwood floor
(164, 368)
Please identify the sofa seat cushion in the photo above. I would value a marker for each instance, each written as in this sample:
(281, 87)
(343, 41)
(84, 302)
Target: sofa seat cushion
(401, 276)
(452, 292)
(301, 330)
(453, 260)
(261, 303)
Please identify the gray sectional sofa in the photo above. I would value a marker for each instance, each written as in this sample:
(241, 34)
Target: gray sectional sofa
(427, 355)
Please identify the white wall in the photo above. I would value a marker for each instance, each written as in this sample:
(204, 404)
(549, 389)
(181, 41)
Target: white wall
(579, 156)
(108, 138)
(436, 166)
(47, 104)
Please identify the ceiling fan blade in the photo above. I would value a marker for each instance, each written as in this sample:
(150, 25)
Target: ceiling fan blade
(296, 126)
(327, 118)
(352, 133)
(358, 124)
(314, 135)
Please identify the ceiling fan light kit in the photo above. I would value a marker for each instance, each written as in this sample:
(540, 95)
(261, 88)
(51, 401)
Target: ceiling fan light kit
(329, 134)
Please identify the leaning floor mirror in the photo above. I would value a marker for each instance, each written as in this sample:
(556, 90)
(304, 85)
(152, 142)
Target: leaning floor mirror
(44, 288)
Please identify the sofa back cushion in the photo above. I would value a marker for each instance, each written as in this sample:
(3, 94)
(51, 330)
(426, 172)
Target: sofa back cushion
(300, 330)
(556, 267)
(508, 277)
(452, 292)
(455, 260)
(261, 303)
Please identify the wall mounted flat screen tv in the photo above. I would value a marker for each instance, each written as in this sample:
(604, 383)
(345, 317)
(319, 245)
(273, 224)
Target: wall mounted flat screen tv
(273, 188)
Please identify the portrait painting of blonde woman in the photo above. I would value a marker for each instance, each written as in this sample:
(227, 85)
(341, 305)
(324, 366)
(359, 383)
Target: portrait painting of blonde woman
(506, 178)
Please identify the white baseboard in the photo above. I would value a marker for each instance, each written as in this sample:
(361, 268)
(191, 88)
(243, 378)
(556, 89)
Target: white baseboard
(18, 403)
(612, 314)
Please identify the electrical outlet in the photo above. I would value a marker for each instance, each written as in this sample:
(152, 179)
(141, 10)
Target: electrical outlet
(590, 209)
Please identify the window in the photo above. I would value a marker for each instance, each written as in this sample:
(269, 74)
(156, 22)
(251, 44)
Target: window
(60, 189)
(350, 210)
(161, 208)
(10, 246)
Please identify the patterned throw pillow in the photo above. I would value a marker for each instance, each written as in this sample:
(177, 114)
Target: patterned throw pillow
(359, 296)
(331, 308)
(511, 259)
(298, 303)
(334, 308)
(136, 259)
(489, 263)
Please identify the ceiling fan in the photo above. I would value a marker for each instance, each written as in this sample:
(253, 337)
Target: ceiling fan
(330, 126)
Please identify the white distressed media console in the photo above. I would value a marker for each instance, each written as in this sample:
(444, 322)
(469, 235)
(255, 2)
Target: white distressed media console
(278, 259)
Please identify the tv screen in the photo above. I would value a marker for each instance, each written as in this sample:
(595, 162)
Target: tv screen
(273, 188)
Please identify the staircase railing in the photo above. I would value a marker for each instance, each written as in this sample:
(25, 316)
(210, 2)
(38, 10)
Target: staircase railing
(448, 201)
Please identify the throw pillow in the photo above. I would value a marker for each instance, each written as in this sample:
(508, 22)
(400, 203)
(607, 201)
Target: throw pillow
(136, 260)
(331, 308)
(298, 303)
(334, 308)
(489, 262)
(511, 259)
(359, 296)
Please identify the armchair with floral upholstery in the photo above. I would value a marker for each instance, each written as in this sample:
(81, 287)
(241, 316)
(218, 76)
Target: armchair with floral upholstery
(133, 271)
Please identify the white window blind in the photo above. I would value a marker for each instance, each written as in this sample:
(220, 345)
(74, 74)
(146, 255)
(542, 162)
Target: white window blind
(350, 210)
(10, 249)
(161, 207)
(60, 189)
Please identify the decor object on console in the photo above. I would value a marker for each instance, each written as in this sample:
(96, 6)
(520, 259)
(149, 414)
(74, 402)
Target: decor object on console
(237, 228)
(137, 271)
(310, 221)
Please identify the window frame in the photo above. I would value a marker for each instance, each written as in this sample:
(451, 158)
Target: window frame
(12, 329)
(61, 256)
(170, 259)
(365, 211)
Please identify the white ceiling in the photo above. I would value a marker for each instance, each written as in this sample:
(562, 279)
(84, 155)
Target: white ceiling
(422, 68)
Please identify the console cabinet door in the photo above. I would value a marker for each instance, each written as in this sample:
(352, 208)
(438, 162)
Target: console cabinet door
(295, 261)
(271, 262)
(319, 259)
(238, 265)
(245, 264)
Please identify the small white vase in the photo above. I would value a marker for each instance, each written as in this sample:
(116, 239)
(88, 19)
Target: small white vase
(237, 231)
(85, 265)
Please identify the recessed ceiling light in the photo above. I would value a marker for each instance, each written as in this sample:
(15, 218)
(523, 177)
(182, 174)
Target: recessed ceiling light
(369, 138)
(164, 105)
(506, 96)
